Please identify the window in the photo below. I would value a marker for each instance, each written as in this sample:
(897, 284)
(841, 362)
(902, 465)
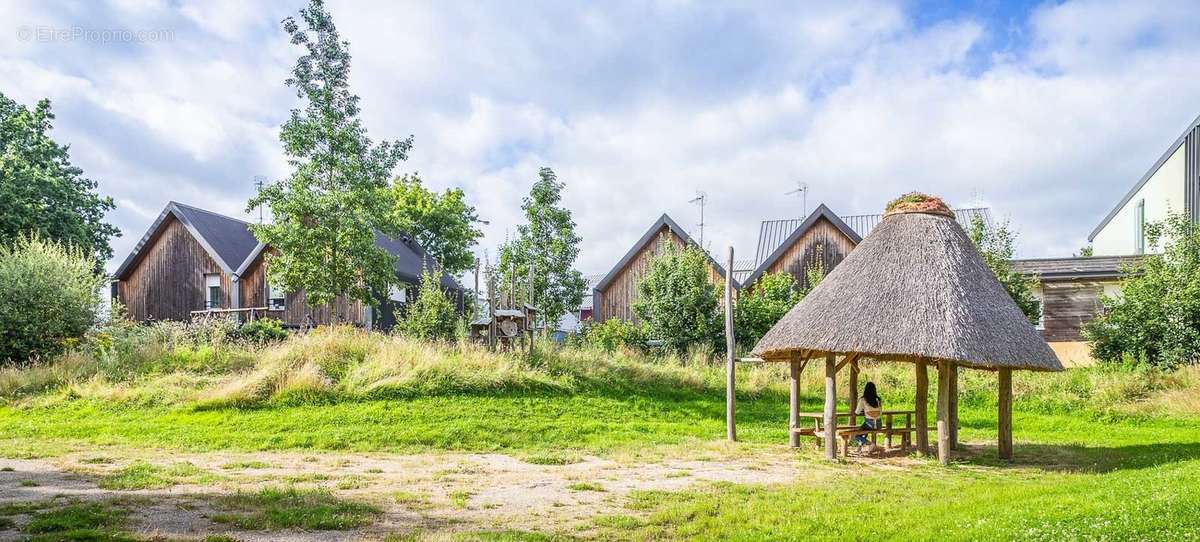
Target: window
(276, 298)
(1139, 227)
(398, 294)
(212, 291)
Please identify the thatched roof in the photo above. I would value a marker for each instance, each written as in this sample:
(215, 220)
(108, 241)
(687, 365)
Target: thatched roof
(916, 287)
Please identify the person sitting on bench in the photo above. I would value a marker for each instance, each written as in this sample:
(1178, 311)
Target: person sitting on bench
(871, 407)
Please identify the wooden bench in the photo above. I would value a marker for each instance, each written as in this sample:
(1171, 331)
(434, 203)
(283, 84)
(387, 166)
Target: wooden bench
(848, 432)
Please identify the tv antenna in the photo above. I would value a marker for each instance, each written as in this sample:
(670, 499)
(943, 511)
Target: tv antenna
(802, 191)
(259, 180)
(701, 198)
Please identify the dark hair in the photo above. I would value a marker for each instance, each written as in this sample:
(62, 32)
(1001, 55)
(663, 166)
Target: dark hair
(871, 395)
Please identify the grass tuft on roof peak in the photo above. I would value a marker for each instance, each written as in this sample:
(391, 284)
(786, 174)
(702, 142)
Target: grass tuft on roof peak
(918, 202)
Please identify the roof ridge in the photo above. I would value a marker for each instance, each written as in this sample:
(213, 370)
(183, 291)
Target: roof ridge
(202, 210)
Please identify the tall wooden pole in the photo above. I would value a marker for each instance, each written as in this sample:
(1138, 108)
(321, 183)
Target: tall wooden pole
(830, 408)
(943, 418)
(476, 292)
(794, 404)
(952, 407)
(853, 392)
(922, 408)
(730, 380)
(1004, 424)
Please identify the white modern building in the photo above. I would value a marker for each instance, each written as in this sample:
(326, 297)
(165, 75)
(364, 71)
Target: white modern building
(1171, 185)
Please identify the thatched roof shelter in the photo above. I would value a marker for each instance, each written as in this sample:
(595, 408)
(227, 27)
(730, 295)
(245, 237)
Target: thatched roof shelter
(917, 290)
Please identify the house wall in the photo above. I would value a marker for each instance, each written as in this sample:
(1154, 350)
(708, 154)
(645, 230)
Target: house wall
(616, 301)
(253, 285)
(1165, 190)
(1068, 305)
(822, 243)
(167, 282)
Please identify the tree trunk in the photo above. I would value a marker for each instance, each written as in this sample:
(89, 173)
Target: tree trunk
(953, 407)
(922, 408)
(830, 408)
(1004, 422)
(943, 409)
(794, 404)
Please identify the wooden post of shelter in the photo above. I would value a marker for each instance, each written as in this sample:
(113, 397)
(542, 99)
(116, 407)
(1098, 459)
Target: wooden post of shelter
(943, 410)
(852, 397)
(1004, 421)
(952, 406)
(730, 376)
(922, 408)
(794, 402)
(830, 408)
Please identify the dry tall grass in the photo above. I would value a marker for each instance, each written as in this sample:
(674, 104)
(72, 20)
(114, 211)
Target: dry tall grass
(173, 365)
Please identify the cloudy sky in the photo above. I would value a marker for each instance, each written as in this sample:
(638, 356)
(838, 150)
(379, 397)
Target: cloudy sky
(1046, 112)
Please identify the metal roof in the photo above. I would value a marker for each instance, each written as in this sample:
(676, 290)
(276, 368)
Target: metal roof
(1146, 178)
(773, 233)
(649, 236)
(1078, 267)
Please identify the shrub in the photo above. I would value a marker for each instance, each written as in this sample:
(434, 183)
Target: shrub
(432, 316)
(262, 331)
(1156, 319)
(762, 305)
(48, 298)
(614, 333)
(676, 300)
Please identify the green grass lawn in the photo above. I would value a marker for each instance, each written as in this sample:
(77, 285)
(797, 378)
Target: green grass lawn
(1095, 457)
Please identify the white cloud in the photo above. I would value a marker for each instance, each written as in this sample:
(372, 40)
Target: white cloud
(637, 106)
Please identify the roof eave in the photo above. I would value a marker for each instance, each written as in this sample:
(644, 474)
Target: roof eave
(663, 220)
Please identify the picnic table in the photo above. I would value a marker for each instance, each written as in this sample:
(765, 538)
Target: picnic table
(851, 429)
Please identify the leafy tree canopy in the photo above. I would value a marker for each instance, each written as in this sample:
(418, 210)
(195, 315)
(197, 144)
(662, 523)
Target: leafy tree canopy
(998, 246)
(1156, 318)
(444, 224)
(431, 317)
(327, 213)
(548, 242)
(41, 192)
(676, 300)
(761, 305)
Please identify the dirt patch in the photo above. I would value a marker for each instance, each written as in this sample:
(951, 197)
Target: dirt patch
(430, 493)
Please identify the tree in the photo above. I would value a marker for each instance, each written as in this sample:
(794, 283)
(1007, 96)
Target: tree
(547, 242)
(676, 300)
(997, 246)
(444, 224)
(41, 192)
(1156, 319)
(48, 297)
(764, 303)
(431, 317)
(327, 213)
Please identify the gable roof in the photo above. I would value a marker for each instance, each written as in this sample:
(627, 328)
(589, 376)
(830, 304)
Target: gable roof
(231, 244)
(649, 236)
(821, 212)
(1077, 267)
(772, 233)
(1145, 178)
(227, 241)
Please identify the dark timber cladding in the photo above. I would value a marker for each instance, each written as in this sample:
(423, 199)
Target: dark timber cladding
(614, 295)
(167, 281)
(1071, 290)
(1190, 140)
(1192, 173)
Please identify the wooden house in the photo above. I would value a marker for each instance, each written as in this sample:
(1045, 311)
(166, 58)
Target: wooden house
(193, 261)
(614, 295)
(821, 240)
(823, 237)
(1070, 291)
